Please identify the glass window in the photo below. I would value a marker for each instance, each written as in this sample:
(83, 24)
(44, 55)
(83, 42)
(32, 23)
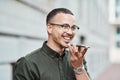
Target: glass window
(117, 9)
(118, 36)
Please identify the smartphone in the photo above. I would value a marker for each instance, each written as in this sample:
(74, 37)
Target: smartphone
(81, 46)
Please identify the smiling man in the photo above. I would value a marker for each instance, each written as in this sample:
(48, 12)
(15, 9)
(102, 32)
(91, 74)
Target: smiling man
(53, 61)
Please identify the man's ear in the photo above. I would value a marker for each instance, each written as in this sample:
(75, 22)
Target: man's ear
(49, 28)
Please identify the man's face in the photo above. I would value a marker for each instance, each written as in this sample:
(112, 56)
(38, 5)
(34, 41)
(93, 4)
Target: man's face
(57, 35)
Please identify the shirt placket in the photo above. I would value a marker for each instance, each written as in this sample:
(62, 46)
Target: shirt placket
(60, 64)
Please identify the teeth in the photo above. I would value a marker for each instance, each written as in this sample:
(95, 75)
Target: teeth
(67, 38)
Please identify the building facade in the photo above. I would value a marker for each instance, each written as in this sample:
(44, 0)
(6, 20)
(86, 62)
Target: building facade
(23, 29)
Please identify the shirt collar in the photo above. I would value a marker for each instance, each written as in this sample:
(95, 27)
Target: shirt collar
(51, 52)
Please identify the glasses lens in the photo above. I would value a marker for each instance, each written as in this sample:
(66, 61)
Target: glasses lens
(66, 26)
(73, 28)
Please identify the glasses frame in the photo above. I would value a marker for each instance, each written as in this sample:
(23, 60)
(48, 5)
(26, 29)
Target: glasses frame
(67, 28)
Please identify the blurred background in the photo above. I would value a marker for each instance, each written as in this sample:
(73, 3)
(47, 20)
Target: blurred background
(23, 29)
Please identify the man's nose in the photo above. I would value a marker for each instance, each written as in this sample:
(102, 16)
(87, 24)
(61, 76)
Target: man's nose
(70, 31)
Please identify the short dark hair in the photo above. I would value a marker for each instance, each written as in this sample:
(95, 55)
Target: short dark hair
(55, 11)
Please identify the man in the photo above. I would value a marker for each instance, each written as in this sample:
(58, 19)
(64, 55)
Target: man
(54, 61)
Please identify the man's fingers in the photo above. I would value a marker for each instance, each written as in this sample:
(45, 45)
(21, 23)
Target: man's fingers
(71, 51)
(77, 52)
(84, 51)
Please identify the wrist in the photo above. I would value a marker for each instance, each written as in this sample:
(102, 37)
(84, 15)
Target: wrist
(78, 70)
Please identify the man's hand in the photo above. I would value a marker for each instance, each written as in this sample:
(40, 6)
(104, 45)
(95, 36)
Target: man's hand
(76, 59)
(77, 54)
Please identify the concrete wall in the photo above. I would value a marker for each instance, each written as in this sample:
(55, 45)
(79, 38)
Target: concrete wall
(22, 29)
(95, 27)
(114, 19)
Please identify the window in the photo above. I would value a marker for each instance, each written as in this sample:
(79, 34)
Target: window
(114, 11)
(118, 37)
(117, 9)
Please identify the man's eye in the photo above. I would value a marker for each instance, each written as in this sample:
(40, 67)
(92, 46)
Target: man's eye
(73, 27)
(66, 26)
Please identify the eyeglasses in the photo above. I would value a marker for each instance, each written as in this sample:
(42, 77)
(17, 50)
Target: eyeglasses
(66, 27)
